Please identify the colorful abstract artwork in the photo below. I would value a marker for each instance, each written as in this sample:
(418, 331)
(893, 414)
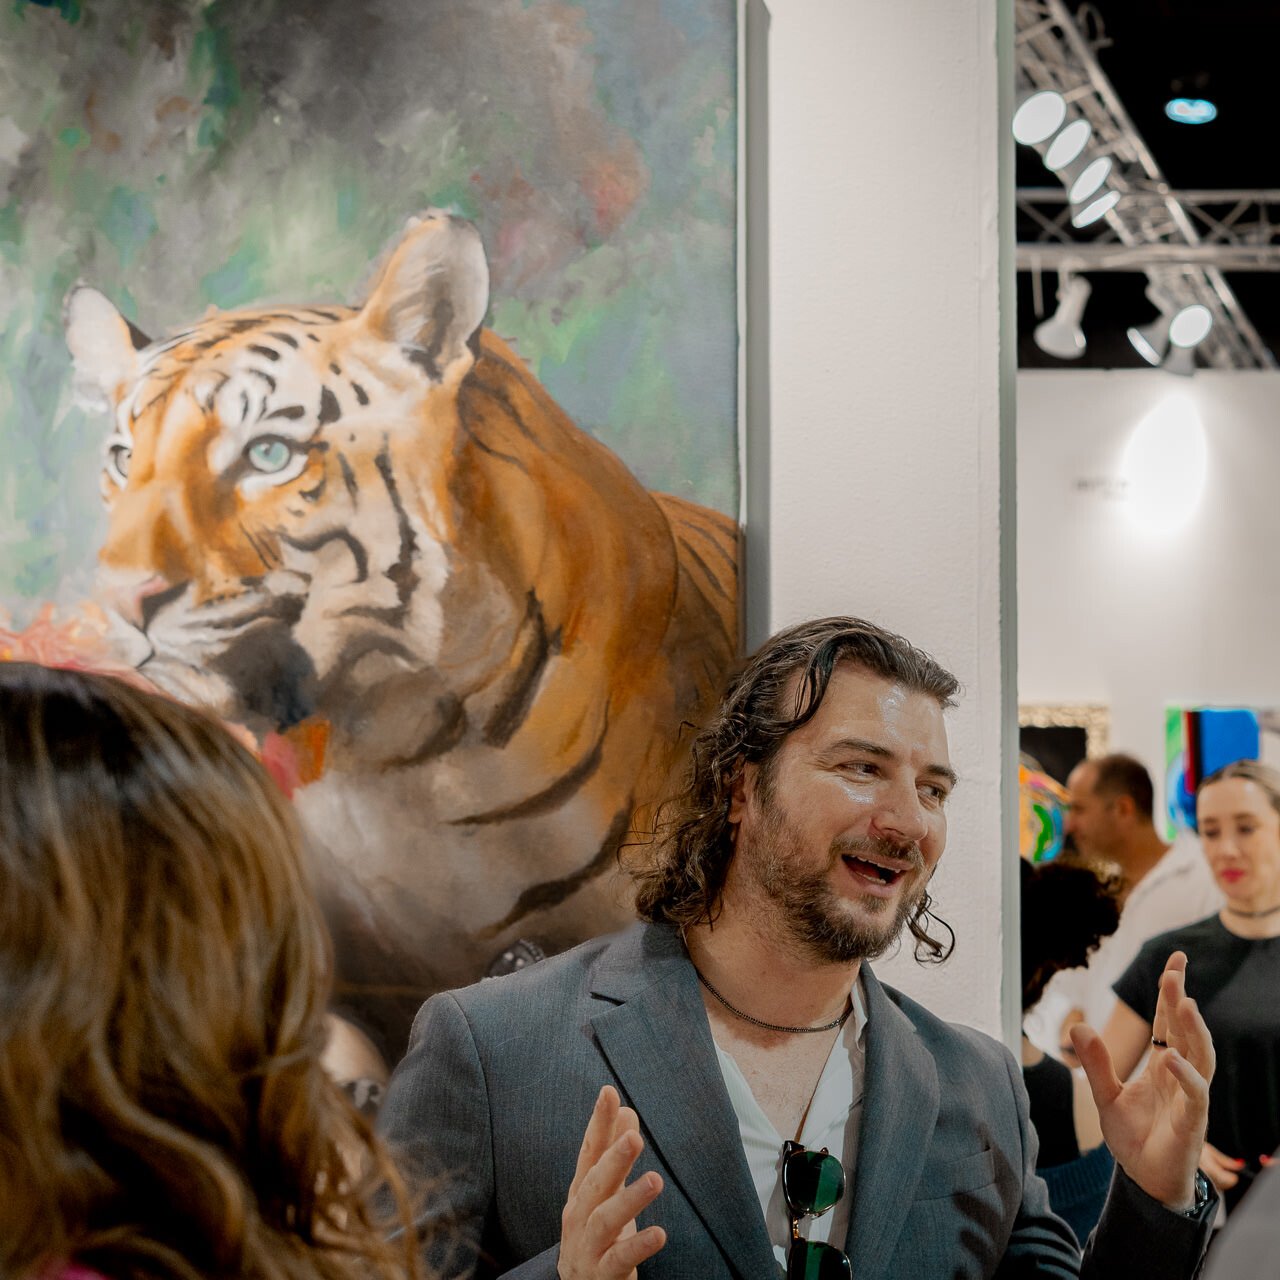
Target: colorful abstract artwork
(369, 375)
(1199, 740)
(1042, 814)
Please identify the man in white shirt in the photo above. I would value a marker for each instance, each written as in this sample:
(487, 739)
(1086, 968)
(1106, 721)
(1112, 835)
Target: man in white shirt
(786, 1109)
(1164, 886)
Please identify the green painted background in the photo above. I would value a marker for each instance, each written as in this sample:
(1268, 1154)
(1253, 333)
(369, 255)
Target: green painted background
(182, 155)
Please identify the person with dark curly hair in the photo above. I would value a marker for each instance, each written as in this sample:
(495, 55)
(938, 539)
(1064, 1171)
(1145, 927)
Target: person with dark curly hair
(1067, 909)
(164, 972)
(784, 1109)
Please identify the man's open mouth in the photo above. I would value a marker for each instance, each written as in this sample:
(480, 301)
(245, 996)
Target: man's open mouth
(875, 872)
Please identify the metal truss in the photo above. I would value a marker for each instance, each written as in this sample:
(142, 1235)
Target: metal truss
(1181, 240)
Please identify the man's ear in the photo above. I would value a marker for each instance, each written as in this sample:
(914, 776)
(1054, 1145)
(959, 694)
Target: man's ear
(432, 294)
(1125, 807)
(746, 779)
(104, 347)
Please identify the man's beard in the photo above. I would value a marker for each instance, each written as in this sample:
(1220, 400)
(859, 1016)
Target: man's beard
(810, 910)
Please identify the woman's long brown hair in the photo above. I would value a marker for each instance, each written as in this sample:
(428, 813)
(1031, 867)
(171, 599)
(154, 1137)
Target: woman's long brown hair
(164, 971)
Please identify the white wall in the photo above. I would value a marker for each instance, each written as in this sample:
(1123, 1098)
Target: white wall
(884, 483)
(1111, 612)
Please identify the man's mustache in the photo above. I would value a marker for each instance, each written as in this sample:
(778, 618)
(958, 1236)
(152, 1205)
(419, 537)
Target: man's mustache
(861, 846)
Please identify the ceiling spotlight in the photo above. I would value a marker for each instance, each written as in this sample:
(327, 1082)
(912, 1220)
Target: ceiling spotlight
(1190, 327)
(1087, 212)
(1061, 335)
(1170, 339)
(1151, 341)
(1180, 360)
(1069, 143)
(1190, 110)
(1085, 177)
(1039, 116)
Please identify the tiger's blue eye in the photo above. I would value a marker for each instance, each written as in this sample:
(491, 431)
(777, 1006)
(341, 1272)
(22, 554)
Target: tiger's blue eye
(269, 454)
(118, 458)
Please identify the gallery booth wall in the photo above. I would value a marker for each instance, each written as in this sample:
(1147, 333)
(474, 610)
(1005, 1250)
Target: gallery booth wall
(1148, 524)
(879, 464)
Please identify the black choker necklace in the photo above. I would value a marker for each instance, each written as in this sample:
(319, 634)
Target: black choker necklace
(773, 1026)
(1253, 915)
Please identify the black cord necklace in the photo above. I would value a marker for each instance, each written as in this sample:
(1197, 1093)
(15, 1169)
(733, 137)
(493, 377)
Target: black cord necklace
(773, 1026)
(1252, 915)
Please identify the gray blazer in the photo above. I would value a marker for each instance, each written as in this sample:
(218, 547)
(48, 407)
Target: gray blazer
(493, 1096)
(1250, 1241)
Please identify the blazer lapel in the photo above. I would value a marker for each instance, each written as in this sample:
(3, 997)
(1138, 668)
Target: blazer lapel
(899, 1110)
(658, 1042)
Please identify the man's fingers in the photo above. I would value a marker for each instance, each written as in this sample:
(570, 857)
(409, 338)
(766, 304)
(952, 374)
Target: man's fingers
(1095, 1058)
(598, 1136)
(626, 1121)
(1193, 1084)
(623, 1258)
(605, 1177)
(610, 1218)
(1194, 1041)
(1172, 990)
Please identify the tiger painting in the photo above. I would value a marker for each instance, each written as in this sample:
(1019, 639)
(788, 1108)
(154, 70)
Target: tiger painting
(375, 521)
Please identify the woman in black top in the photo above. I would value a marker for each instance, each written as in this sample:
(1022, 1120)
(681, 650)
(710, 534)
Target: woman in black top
(1233, 974)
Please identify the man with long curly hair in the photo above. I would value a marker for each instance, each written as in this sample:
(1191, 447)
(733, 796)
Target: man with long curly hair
(785, 1108)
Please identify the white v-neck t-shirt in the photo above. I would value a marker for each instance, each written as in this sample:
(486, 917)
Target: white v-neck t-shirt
(831, 1121)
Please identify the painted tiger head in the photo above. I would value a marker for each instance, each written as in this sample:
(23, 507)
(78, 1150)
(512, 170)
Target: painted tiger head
(278, 482)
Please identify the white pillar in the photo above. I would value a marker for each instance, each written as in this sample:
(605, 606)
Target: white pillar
(881, 438)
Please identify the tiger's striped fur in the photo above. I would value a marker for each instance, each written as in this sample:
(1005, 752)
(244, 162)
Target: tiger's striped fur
(376, 518)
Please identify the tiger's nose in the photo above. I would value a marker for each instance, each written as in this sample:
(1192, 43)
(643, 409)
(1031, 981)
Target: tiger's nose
(137, 600)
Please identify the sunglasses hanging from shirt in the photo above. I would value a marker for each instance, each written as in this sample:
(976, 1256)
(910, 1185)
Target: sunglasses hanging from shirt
(812, 1183)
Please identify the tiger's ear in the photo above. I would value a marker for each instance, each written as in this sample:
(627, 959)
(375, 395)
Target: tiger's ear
(432, 293)
(104, 346)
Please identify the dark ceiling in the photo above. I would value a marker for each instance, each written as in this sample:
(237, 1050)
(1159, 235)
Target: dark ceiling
(1228, 48)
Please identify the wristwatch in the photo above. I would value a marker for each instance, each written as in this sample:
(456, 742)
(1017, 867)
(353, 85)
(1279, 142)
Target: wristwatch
(1204, 1193)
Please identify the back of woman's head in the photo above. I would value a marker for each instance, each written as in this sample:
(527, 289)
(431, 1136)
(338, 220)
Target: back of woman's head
(163, 976)
(1067, 909)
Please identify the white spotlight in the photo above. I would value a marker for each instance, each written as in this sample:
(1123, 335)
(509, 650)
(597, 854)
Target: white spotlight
(1169, 340)
(1086, 177)
(1190, 327)
(1180, 360)
(1069, 143)
(1089, 211)
(1151, 341)
(1061, 335)
(1039, 116)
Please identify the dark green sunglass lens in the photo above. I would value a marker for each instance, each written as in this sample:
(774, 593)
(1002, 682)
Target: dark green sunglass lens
(813, 1181)
(811, 1260)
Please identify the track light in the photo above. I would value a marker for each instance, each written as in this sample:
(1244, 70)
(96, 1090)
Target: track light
(1085, 176)
(1170, 340)
(1039, 115)
(1068, 145)
(1190, 327)
(1061, 335)
(1151, 341)
(1087, 212)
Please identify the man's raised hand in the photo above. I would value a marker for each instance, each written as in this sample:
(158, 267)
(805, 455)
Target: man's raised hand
(1155, 1124)
(598, 1236)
